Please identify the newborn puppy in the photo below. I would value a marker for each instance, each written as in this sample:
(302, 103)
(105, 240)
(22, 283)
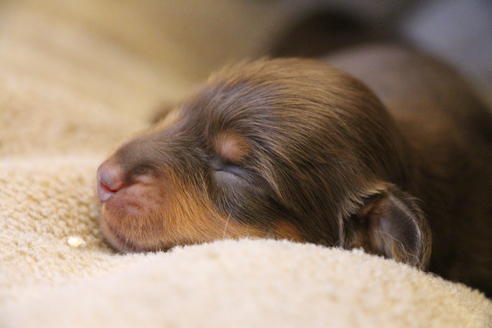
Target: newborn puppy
(297, 149)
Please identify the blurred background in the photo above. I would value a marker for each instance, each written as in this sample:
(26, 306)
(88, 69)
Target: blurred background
(128, 54)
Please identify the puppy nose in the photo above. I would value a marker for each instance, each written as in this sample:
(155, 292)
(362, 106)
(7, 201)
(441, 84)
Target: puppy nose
(110, 179)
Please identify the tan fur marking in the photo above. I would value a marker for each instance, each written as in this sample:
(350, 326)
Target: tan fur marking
(186, 216)
(231, 147)
(196, 219)
(286, 230)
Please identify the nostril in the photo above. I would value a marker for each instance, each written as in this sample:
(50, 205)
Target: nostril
(110, 180)
(107, 187)
(110, 183)
(103, 192)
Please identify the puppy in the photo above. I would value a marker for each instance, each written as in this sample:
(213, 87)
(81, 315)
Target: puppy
(298, 149)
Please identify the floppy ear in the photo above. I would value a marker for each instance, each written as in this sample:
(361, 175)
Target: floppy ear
(389, 223)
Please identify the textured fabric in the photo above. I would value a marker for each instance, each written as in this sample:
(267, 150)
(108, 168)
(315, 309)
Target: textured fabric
(76, 81)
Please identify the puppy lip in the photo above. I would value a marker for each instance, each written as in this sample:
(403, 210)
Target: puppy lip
(133, 200)
(104, 193)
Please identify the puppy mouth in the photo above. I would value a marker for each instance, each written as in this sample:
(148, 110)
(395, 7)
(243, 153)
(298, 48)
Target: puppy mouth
(129, 201)
(104, 193)
(130, 204)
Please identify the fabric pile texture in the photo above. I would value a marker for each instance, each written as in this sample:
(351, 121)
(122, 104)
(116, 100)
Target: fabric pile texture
(78, 78)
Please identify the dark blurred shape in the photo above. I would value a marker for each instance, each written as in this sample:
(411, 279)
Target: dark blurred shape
(458, 31)
(321, 32)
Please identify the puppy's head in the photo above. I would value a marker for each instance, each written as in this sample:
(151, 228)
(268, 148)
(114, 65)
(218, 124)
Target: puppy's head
(280, 148)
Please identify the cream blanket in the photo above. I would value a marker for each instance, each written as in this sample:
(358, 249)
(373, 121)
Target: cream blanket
(76, 78)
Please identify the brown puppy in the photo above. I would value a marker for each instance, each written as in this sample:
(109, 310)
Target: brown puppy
(296, 149)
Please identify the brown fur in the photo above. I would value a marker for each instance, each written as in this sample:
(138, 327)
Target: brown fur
(450, 134)
(297, 149)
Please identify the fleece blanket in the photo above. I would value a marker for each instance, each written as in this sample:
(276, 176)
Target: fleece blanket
(77, 78)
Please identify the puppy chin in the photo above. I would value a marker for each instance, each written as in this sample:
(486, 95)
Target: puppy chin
(115, 239)
(113, 231)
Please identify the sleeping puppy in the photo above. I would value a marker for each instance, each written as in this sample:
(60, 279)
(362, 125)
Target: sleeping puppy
(298, 149)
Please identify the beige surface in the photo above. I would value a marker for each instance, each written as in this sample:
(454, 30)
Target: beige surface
(75, 81)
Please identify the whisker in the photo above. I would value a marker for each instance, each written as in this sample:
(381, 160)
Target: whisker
(225, 226)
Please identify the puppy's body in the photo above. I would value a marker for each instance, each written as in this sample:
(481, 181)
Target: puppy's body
(450, 135)
(295, 149)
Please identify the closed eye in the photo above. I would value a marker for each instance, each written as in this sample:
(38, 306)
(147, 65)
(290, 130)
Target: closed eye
(219, 165)
(233, 169)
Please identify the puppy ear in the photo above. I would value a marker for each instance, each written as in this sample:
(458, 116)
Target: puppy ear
(389, 223)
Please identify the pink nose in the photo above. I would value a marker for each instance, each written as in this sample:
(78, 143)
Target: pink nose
(110, 179)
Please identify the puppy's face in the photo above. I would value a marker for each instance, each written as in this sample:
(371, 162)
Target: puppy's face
(281, 149)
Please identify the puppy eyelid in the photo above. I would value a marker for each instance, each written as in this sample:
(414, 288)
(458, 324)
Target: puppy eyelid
(236, 170)
(219, 164)
(216, 163)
